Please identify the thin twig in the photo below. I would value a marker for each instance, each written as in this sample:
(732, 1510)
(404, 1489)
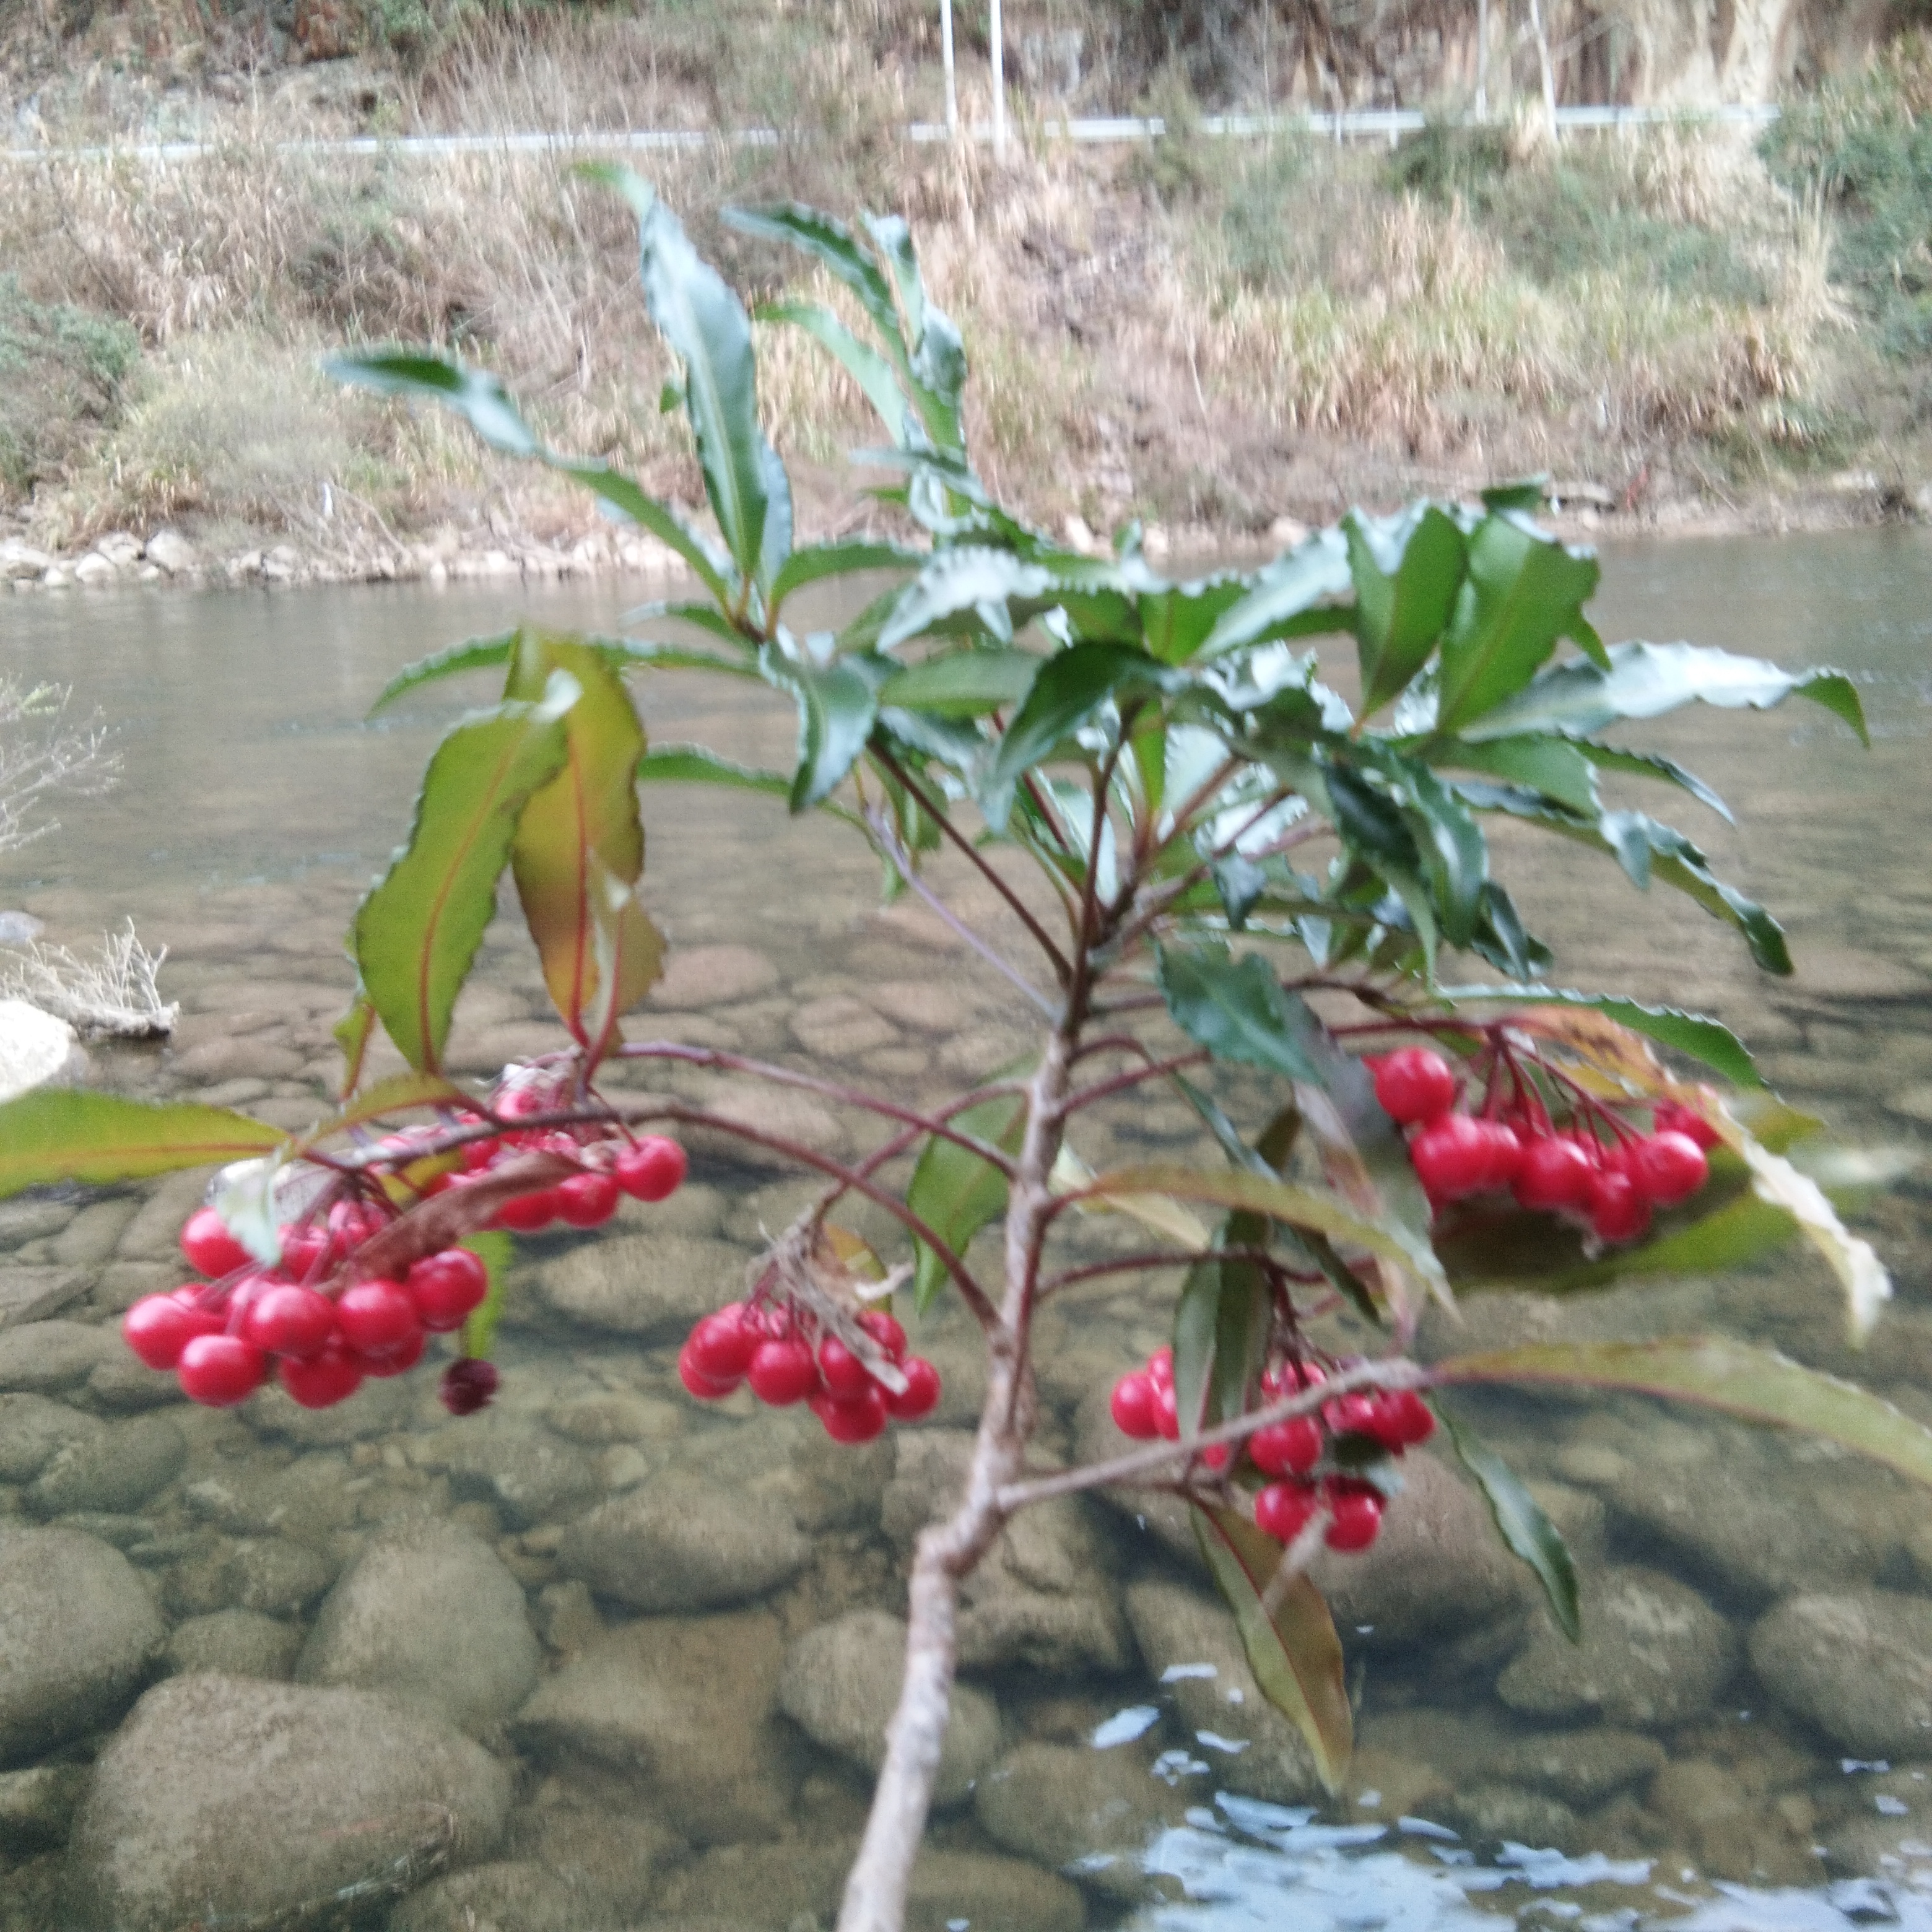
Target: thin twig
(1120, 1083)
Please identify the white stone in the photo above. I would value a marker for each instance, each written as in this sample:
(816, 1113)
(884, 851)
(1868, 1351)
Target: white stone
(173, 552)
(94, 569)
(34, 1047)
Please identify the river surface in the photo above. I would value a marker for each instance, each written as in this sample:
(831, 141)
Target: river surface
(681, 1751)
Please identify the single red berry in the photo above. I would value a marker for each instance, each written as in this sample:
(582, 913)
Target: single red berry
(1669, 1167)
(1132, 1405)
(218, 1371)
(783, 1370)
(1414, 1085)
(920, 1396)
(467, 1386)
(1351, 1414)
(303, 1250)
(705, 1387)
(1505, 1158)
(1452, 1157)
(1281, 1511)
(209, 1246)
(377, 1318)
(158, 1327)
(1290, 1448)
(447, 1287)
(1160, 1368)
(475, 1155)
(651, 1168)
(351, 1223)
(1357, 1514)
(588, 1200)
(520, 1102)
(397, 1361)
(1217, 1455)
(289, 1321)
(1166, 1411)
(324, 1380)
(1555, 1175)
(1670, 1117)
(854, 1419)
(526, 1213)
(1618, 1212)
(721, 1347)
(884, 1329)
(845, 1376)
(1410, 1421)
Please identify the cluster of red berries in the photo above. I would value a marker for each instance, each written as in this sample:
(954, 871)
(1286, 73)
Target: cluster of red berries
(1600, 1170)
(782, 1353)
(222, 1336)
(1290, 1453)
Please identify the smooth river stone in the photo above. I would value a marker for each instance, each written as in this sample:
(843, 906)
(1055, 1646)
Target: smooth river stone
(1857, 1664)
(654, 1285)
(713, 975)
(33, 1428)
(683, 1543)
(114, 1471)
(229, 1798)
(1089, 1813)
(840, 1027)
(44, 1356)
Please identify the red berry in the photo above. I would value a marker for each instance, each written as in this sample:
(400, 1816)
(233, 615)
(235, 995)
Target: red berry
(467, 1386)
(1669, 1167)
(588, 1200)
(351, 1223)
(525, 1213)
(158, 1327)
(209, 1246)
(1410, 1421)
(1357, 1514)
(1352, 1415)
(705, 1387)
(1670, 1118)
(885, 1330)
(396, 1361)
(377, 1318)
(289, 1320)
(1452, 1157)
(1415, 1085)
(1555, 1174)
(1166, 1411)
(475, 1155)
(1160, 1368)
(855, 1418)
(721, 1347)
(323, 1380)
(845, 1376)
(1217, 1455)
(1505, 1153)
(303, 1250)
(920, 1396)
(651, 1168)
(1618, 1212)
(520, 1103)
(783, 1371)
(1133, 1406)
(447, 1287)
(219, 1370)
(1281, 1511)
(1290, 1448)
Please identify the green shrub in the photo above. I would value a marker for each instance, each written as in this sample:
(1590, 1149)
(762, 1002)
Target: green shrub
(1444, 161)
(63, 373)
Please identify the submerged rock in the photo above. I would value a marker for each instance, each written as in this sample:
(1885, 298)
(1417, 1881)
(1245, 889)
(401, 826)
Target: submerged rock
(117, 1470)
(79, 1635)
(510, 1896)
(1579, 1767)
(1088, 1813)
(33, 1429)
(684, 1543)
(652, 1285)
(1857, 1664)
(840, 1684)
(523, 1470)
(235, 1643)
(43, 1356)
(225, 1797)
(36, 1807)
(1653, 1653)
(431, 1614)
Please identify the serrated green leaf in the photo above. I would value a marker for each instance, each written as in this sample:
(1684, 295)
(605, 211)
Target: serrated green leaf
(415, 934)
(962, 683)
(352, 1034)
(817, 562)
(1310, 575)
(1552, 765)
(1715, 1371)
(1526, 492)
(1406, 575)
(694, 764)
(474, 395)
(838, 701)
(1651, 765)
(1296, 1656)
(1707, 1041)
(955, 1192)
(474, 654)
(1235, 1008)
(971, 579)
(1520, 1522)
(871, 371)
(1070, 687)
(62, 1133)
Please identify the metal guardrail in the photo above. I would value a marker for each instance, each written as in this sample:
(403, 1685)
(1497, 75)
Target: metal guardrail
(1387, 124)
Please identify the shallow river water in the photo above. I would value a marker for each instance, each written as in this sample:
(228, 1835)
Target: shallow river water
(598, 1660)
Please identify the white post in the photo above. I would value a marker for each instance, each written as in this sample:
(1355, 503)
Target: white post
(946, 59)
(1482, 59)
(1543, 62)
(998, 32)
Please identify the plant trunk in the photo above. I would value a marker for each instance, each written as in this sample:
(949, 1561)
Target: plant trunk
(947, 1553)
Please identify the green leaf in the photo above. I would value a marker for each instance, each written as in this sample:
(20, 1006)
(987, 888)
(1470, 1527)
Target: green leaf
(1070, 687)
(352, 1034)
(627, 952)
(969, 579)
(831, 244)
(1296, 1658)
(495, 1251)
(585, 819)
(1177, 619)
(399, 1093)
(706, 327)
(415, 934)
(819, 561)
(1524, 591)
(956, 1191)
(634, 504)
(62, 1133)
(1455, 855)
(474, 395)
(1647, 849)
(1758, 1384)
(1406, 575)
(1646, 680)
(871, 371)
(1707, 1041)
(1235, 1008)
(474, 654)
(1527, 492)
(1310, 574)
(1649, 765)
(694, 764)
(1221, 1325)
(1552, 765)
(1282, 1201)
(1525, 1531)
(962, 683)
(838, 702)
